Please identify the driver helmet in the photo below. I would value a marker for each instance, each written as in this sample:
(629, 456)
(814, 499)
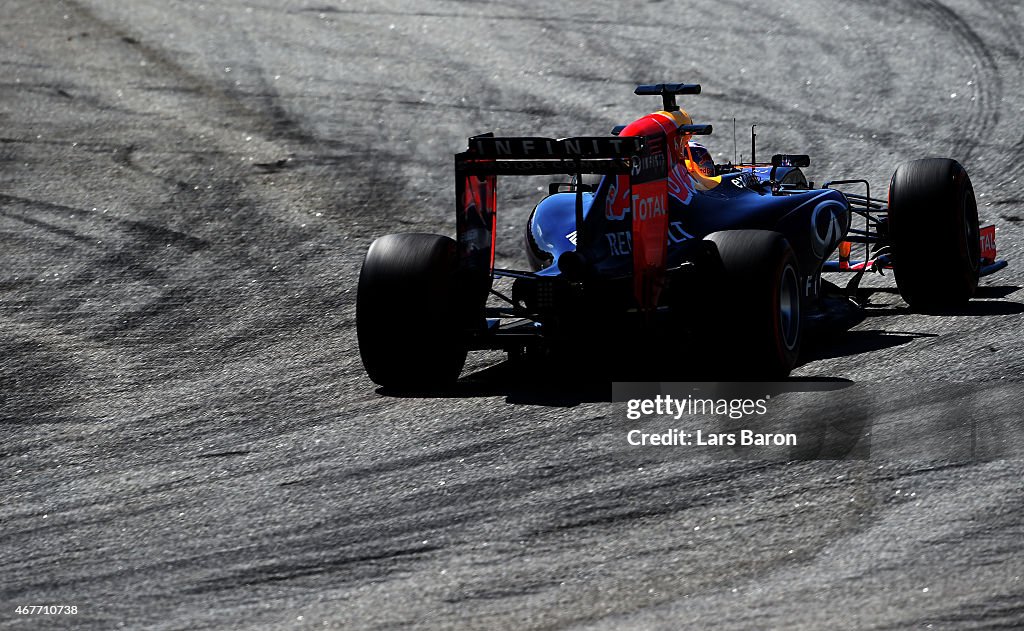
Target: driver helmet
(700, 159)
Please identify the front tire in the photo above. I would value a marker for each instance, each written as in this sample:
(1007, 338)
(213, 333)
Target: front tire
(756, 317)
(410, 314)
(933, 225)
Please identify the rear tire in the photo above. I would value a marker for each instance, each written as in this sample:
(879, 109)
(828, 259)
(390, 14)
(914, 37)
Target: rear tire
(410, 315)
(756, 315)
(933, 225)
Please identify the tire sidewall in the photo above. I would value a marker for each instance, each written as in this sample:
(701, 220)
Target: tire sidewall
(745, 317)
(410, 315)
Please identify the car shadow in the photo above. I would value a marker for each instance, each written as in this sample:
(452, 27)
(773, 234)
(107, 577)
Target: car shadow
(987, 302)
(973, 308)
(521, 384)
(857, 343)
(552, 386)
(996, 291)
(830, 345)
(567, 383)
(984, 291)
(839, 430)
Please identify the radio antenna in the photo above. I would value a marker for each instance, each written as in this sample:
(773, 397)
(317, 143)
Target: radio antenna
(735, 156)
(753, 145)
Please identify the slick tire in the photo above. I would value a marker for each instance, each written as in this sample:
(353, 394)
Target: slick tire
(756, 314)
(933, 226)
(409, 313)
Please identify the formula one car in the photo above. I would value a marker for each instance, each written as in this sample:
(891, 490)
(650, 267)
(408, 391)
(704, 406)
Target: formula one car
(668, 255)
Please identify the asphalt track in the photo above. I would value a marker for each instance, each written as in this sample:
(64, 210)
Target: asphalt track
(189, 440)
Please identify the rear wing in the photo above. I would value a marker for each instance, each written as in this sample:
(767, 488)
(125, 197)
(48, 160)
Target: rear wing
(539, 156)
(643, 158)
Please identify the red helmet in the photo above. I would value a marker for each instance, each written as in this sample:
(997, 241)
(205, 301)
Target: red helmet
(701, 159)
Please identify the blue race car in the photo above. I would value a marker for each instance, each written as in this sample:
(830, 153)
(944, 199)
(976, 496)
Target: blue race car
(668, 254)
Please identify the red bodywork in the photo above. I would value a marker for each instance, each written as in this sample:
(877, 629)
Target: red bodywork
(648, 201)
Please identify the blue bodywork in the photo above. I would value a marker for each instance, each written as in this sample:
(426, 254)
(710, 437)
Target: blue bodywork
(813, 221)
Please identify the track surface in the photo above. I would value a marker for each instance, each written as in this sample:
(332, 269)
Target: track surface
(190, 441)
